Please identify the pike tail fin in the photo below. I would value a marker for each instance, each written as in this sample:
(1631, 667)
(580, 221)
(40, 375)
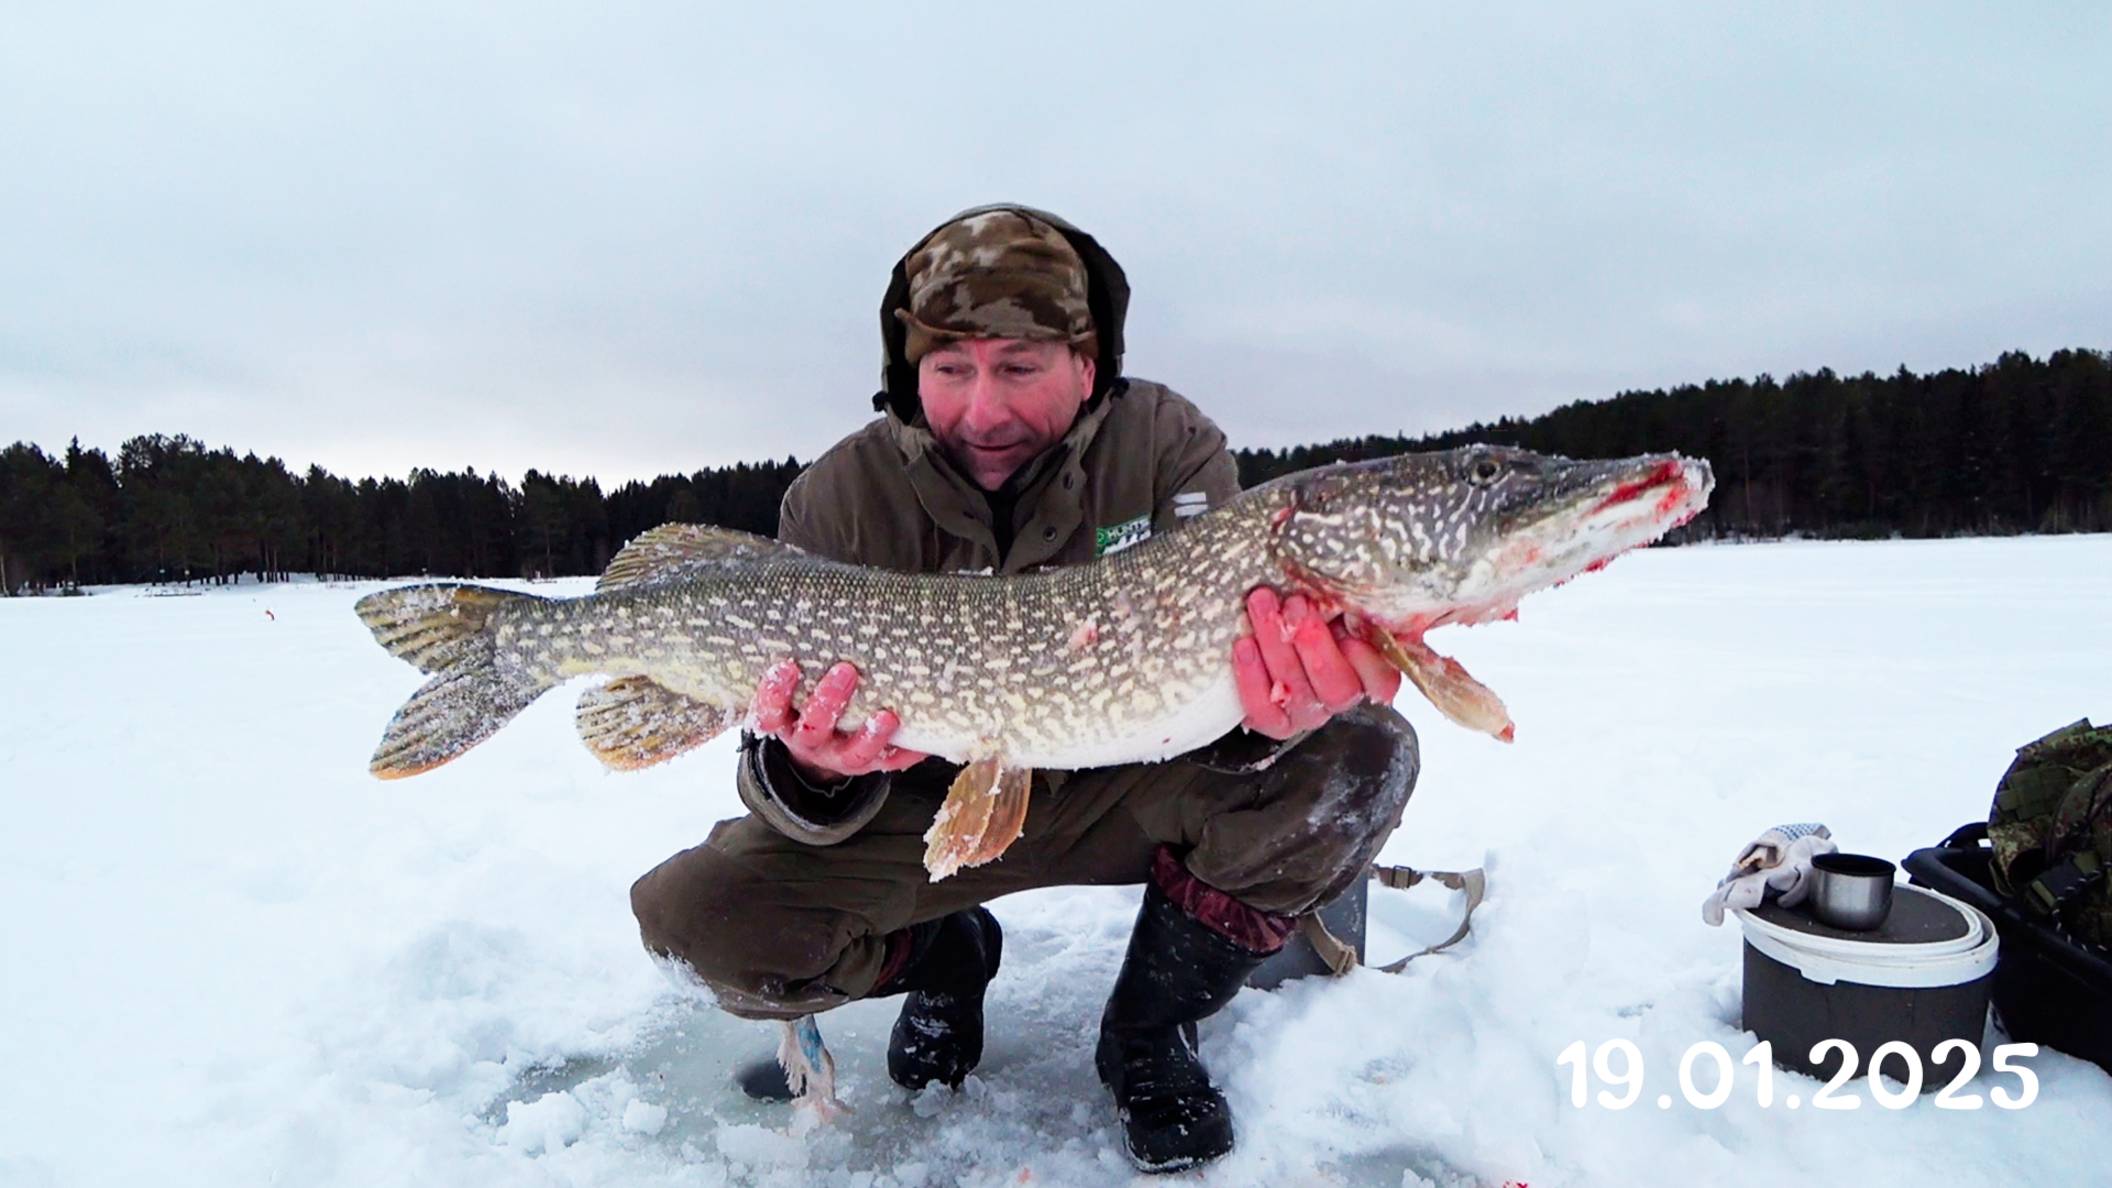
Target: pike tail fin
(445, 630)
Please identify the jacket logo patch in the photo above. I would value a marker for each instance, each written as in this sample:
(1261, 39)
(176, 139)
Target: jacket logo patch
(1113, 538)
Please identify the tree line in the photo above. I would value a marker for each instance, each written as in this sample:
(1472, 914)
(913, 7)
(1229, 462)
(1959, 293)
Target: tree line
(2020, 445)
(169, 509)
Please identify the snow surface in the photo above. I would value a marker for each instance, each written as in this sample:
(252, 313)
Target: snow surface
(228, 956)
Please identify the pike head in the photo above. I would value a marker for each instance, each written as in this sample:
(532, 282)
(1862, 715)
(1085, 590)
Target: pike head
(1418, 541)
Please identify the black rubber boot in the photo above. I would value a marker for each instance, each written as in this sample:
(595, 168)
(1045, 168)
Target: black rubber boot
(1177, 971)
(939, 1034)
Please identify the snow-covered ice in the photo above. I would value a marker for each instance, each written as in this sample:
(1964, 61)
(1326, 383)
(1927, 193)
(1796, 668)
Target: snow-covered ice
(228, 956)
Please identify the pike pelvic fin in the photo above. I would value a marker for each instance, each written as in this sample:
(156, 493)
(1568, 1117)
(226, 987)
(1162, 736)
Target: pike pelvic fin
(675, 551)
(635, 722)
(444, 630)
(984, 813)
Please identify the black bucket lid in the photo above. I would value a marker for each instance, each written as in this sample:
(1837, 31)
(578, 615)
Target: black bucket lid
(1916, 918)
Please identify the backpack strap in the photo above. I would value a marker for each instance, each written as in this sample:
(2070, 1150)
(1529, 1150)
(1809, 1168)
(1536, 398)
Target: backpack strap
(1341, 958)
(1474, 883)
(1966, 836)
(2061, 883)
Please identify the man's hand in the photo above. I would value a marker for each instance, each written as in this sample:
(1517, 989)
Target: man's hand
(821, 752)
(1301, 668)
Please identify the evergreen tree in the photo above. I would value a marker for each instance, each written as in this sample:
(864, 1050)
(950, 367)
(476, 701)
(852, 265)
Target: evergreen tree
(2020, 445)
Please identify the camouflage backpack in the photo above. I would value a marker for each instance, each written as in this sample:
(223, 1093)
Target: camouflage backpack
(2051, 829)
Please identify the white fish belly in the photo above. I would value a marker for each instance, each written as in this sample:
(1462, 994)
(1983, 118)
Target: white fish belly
(1174, 731)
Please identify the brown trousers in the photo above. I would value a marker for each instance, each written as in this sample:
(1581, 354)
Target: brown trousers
(779, 929)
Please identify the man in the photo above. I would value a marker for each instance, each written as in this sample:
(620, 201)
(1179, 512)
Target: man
(1008, 441)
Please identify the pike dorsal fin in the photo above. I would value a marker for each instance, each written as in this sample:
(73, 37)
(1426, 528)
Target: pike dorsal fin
(678, 550)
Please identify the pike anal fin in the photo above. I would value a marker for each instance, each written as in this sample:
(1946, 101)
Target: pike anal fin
(984, 813)
(635, 722)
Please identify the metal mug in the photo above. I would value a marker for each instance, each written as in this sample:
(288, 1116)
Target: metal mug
(1851, 891)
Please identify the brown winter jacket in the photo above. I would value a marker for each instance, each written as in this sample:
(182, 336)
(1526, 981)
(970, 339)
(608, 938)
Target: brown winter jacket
(1138, 459)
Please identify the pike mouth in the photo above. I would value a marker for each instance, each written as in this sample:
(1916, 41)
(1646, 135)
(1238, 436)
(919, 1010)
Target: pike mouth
(1674, 482)
(1636, 509)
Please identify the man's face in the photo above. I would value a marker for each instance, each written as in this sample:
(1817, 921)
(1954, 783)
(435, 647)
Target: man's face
(996, 403)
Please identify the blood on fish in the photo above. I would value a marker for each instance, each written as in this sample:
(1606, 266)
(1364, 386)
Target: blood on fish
(1087, 634)
(1519, 556)
(1666, 472)
(1413, 630)
(1300, 580)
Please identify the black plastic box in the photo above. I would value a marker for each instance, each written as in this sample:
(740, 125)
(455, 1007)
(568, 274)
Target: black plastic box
(2049, 988)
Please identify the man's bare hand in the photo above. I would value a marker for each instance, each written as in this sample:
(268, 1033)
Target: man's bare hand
(821, 752)
(1299, 668)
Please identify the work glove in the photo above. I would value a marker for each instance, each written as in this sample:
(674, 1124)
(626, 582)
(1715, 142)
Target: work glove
(1776, 865)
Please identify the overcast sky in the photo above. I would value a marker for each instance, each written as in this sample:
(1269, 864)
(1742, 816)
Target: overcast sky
(627, 239)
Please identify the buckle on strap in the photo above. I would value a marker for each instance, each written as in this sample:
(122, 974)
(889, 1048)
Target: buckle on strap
(2059, 885)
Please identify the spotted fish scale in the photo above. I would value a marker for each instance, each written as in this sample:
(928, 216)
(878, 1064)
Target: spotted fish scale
(1126, 659)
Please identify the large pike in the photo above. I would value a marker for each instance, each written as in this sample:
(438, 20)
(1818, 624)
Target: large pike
(1127, 659)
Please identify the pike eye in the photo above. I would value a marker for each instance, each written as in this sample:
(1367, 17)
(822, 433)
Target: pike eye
(1483, 472)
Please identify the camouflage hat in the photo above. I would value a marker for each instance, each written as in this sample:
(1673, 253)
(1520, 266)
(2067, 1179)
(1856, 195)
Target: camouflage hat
(995, 274)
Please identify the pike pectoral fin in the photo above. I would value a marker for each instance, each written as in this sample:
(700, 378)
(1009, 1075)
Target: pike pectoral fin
(1447, 684)
(634, 722)
(983, 814)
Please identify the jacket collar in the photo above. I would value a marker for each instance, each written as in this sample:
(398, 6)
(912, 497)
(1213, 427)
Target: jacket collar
(1052, 499)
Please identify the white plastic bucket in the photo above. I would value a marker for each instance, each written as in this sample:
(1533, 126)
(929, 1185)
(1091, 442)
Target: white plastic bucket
(1804, 989)
(1827, 960)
